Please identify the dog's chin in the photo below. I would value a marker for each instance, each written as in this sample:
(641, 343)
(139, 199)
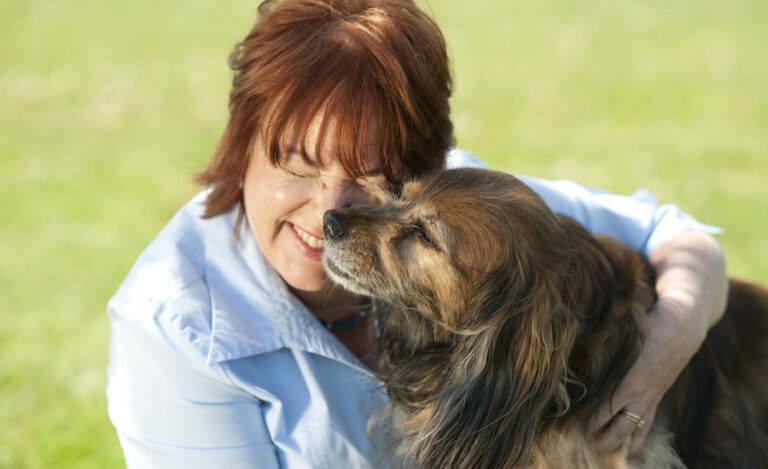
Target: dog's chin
(346, 280)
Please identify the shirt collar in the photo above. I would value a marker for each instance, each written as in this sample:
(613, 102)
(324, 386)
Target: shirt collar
(252, 309)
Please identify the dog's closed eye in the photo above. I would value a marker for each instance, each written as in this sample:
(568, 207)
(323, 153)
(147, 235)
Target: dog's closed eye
(421, 233)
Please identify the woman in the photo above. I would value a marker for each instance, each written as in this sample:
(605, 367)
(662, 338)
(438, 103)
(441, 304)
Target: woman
(229, 346)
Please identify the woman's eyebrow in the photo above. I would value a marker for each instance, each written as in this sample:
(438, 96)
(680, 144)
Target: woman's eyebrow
(293, 150)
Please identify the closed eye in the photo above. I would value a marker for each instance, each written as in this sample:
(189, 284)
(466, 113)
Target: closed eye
(423, 235)
(295, 174)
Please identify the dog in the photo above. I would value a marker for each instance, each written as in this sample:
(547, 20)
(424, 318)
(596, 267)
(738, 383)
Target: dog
(502, 328)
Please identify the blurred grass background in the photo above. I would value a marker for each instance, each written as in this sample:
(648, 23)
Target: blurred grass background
(107, 108)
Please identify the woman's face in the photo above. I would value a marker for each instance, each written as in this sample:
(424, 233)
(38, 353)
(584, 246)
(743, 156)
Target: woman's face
(284, 204)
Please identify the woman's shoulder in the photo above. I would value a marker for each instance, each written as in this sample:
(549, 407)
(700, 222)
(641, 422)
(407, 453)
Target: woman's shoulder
(173, 259)
(166, 291)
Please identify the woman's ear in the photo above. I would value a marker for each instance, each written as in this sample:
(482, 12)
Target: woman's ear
(491, 411)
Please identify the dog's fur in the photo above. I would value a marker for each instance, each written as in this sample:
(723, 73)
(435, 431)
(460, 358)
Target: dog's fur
(503, 327)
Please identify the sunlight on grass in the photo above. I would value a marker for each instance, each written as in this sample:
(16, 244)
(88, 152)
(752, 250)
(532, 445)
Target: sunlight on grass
(108, 109)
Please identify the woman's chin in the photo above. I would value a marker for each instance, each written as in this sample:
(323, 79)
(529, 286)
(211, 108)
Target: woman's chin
(319, 290)
(307, 284)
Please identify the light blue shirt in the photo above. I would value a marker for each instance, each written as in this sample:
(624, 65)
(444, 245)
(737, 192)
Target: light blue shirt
(215, 364)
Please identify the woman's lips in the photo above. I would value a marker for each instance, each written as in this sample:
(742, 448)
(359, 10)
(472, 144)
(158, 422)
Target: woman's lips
(310, 245)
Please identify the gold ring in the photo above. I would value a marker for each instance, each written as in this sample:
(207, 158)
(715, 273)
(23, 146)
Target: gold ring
(634, 418)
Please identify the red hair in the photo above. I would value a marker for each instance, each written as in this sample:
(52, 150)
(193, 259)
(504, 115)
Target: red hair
(376, 67)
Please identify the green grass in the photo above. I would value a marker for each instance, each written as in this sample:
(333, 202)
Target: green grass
(107, 108)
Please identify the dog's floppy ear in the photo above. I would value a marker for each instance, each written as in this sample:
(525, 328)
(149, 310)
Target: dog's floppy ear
(512, 377)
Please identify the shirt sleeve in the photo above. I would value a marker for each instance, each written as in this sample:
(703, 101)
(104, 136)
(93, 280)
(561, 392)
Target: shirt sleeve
(170, 412)
(635, 220)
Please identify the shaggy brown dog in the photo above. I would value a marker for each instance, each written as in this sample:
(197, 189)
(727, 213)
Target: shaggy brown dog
(503, 327)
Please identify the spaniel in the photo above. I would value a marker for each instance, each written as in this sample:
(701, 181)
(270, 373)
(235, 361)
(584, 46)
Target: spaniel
(502, 327)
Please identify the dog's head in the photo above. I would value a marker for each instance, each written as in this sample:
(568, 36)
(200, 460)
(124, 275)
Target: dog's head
(476, 341)
(447, 244)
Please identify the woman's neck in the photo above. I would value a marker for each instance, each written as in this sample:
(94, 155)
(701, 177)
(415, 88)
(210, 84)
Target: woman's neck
(330, 304)
(333, 304)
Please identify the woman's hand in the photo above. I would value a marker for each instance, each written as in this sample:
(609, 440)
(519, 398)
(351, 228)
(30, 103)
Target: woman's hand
(692, 288)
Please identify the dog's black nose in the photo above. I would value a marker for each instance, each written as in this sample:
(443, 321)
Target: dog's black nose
(334, 225)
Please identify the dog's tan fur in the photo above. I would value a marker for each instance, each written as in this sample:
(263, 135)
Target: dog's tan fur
(502, 327)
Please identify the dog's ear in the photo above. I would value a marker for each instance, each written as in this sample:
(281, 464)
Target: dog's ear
(510, 380)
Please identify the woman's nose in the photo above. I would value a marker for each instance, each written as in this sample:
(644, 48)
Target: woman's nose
(335, 196)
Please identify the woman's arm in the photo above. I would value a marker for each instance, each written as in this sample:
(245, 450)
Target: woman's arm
(692, 287)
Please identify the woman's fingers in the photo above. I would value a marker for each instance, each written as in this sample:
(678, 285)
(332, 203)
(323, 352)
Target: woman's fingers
(622, 427)
(603, 418)
(639, 436)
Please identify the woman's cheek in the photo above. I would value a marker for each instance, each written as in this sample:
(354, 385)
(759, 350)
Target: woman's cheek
(290, 192)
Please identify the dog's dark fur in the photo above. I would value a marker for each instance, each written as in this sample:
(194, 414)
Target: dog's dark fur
(503, 327)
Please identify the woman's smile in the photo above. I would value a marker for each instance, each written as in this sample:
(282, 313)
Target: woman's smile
(311, 246)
